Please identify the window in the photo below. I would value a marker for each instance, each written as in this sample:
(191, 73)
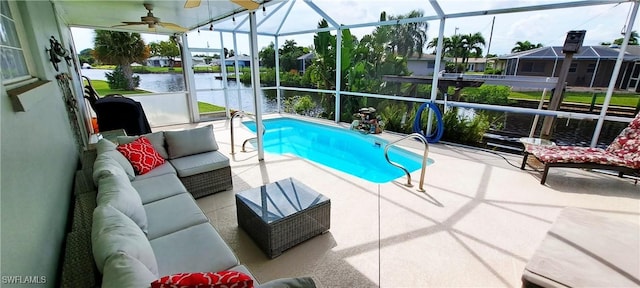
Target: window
(573, 68)
(530, 66)
(591, 67)
(13, 63)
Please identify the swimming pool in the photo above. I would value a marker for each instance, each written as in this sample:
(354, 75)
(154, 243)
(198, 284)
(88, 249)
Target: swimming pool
(345, 150)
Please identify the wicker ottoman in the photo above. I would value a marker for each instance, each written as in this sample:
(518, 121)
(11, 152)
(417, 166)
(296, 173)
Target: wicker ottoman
(280, 215)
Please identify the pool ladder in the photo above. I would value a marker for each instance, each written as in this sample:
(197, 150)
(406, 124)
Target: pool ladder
(242, 114)
(424, 158)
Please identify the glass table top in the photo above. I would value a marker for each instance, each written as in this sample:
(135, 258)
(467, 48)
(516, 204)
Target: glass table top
(280, 199)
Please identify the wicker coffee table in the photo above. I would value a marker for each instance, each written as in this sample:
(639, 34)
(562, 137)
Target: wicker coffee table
(280, 215)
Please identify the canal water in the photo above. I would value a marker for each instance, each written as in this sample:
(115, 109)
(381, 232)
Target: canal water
(173, 82)
(511, 127)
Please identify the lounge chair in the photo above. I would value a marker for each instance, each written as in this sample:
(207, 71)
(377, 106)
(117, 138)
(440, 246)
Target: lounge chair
(622, 155)
(586, 249)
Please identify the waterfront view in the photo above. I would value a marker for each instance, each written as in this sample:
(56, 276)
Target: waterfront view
(510, 128)
(209, 88)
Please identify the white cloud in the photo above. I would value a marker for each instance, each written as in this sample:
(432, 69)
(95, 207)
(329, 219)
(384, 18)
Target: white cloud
(531, 29)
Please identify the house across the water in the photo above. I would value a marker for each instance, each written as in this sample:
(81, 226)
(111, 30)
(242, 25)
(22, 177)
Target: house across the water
(592, 66)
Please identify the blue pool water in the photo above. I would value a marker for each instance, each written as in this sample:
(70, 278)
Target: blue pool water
(345, 150)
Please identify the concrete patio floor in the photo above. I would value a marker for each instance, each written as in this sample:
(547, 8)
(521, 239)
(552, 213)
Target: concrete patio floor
(479, 221)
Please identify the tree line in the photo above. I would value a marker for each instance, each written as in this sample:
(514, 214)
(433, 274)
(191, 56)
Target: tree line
(363, 61)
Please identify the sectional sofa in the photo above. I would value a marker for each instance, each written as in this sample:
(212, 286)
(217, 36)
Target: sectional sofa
(129, 229)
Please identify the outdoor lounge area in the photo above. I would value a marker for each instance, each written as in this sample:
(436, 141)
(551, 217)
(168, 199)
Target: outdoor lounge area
(479, 222)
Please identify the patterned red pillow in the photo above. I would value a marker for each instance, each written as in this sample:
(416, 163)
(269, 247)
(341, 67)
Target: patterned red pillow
(222, 279)
(141, 154)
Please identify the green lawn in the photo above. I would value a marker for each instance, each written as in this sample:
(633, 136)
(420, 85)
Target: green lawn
(207, 108)
(102, 87)
(151, 69)
(617, 99)
(199, 69)
(107, 67)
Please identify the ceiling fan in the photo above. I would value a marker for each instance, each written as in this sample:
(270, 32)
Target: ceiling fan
(152, 21)
(248, 4)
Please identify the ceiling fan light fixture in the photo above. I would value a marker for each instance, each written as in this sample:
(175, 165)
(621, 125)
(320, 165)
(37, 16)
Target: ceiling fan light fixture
(264, 10)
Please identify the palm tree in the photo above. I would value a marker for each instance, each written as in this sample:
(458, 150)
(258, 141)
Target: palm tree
(453, 47)
(524, 46)
(473, 44)
(122, 49)
(405, 39)
(633, 39)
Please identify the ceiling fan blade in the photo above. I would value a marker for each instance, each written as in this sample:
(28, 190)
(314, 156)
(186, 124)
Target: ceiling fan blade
(173, 26)
(191, 3)
(132, 23)
(129, 24)
(248, 4)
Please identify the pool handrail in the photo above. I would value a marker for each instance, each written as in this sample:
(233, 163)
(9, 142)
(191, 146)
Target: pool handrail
(242, 114)
(424, 158)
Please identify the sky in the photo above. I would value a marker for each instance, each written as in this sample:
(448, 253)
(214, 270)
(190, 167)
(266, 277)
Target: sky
(603, 23)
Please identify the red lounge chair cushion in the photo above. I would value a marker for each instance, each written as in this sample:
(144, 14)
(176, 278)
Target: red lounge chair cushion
(205, 279)
(573, 154)
(627, 145)
(623, 151)
(141, 154)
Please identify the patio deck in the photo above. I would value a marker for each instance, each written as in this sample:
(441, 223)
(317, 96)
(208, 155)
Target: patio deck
(477, 224)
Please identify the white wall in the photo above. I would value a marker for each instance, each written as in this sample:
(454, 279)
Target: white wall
(423, 67)
(38, 160)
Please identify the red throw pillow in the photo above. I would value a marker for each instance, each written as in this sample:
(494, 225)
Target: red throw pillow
(141, 154)
(230, 279)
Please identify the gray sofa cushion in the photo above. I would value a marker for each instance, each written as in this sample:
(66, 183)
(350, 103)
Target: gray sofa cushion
(155, 188)
(163, 169)
(122, 270)
(191, 141)
(105, 166)
(156, 139)
(117, 191)
(105, 145)
(199, 163)
(172, 214)
(114, 232)
(197, 248)
(108, 148)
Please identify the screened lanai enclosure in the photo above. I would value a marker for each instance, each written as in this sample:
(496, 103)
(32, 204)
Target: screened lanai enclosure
(329, 59)
(393, 57)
